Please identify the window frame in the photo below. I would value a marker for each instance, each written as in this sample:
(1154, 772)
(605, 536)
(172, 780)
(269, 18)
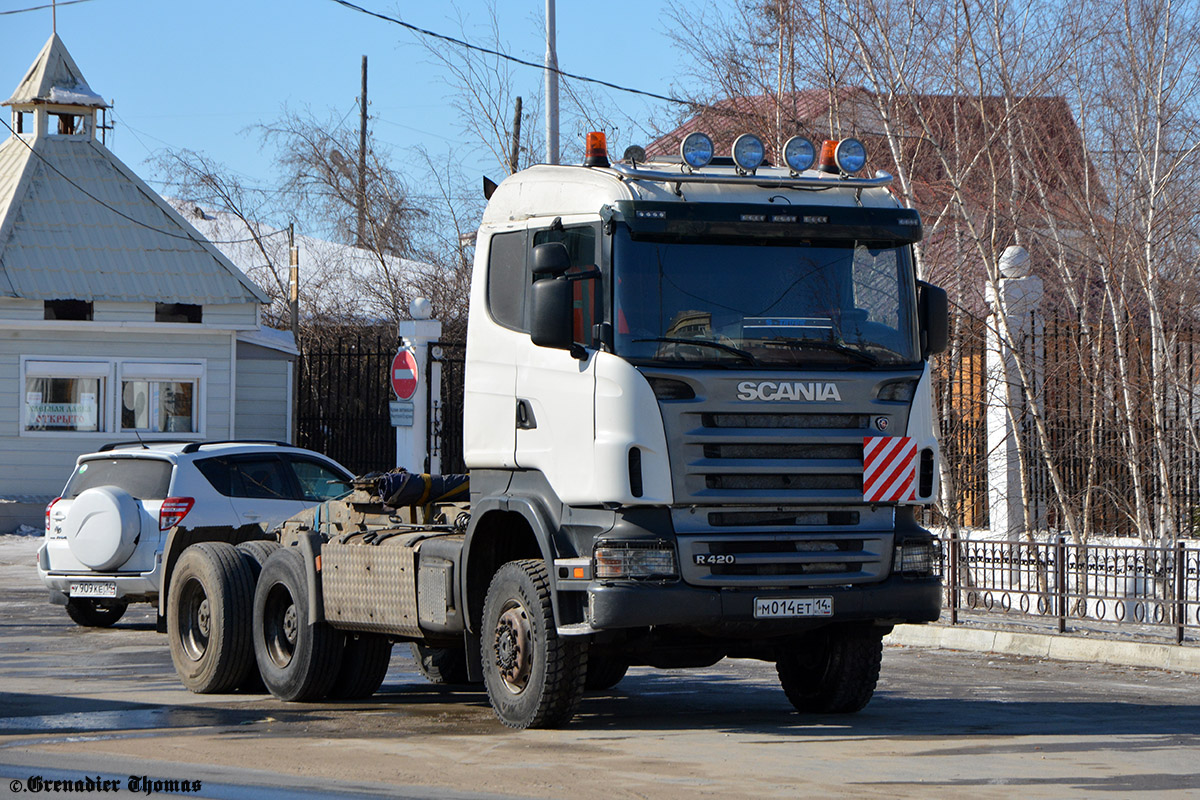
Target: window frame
(161, 371)
(112, 372)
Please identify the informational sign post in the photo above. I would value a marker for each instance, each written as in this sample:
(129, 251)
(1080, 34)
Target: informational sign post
(410, 413)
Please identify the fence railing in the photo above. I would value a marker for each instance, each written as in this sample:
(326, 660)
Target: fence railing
(1139, 588)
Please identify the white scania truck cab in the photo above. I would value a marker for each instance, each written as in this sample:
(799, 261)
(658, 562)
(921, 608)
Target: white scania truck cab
(698, 425)
(700, 391)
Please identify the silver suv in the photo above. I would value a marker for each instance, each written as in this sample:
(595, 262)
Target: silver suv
(106, 534)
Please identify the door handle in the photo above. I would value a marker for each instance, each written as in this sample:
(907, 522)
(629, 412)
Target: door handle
(525, 419)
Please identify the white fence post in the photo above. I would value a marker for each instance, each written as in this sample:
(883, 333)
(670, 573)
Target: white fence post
(1019, 294)
(415, 335)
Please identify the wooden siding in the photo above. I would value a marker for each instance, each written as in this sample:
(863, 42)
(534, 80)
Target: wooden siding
(262, 400)
(39, 464)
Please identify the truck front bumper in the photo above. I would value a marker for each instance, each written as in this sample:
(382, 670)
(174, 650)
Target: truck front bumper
(631, 605)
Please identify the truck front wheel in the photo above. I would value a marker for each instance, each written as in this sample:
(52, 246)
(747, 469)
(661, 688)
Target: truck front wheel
(298, 659)
(834, 673)
(534, 677)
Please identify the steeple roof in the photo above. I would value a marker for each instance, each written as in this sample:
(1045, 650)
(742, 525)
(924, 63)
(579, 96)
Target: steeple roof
(55, 78)
(78, 224)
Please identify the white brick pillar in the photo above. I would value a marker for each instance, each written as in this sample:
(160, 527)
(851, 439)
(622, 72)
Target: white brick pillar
(1020, 294)
(411, 443)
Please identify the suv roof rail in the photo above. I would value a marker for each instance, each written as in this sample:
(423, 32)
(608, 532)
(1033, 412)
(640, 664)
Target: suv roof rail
(142, 444)
(192, 447)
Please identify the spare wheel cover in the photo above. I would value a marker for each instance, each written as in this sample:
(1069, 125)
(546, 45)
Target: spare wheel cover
(102, 527)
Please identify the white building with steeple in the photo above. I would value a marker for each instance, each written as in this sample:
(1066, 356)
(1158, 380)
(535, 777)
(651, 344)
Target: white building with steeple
(118, 319)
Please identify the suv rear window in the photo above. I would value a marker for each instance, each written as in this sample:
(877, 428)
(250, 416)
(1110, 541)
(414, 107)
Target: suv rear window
(144, 478)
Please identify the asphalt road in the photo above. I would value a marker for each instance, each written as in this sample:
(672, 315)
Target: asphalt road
(80, 704)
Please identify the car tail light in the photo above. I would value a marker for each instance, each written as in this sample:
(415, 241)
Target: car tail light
(52, 502)
(173, 510)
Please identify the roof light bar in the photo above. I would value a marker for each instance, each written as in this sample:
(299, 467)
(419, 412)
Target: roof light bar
(844, 157)
(799, 154)
(748, 152)
(696, 149)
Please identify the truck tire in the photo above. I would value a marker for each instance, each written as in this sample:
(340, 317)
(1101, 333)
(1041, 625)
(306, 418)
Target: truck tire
(836, 675)
(255, 553)
(365, 661)
(445, 666)
(208, 618)
(297, 659)
(95, 613)
(604, 671)
(534, 677)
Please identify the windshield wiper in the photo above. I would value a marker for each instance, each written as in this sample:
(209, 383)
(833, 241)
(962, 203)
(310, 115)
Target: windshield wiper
(828, 346)
(749, 358)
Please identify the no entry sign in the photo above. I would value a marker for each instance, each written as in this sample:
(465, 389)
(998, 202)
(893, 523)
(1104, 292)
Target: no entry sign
(404, 375)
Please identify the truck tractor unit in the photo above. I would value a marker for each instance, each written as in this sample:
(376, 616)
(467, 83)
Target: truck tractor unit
(698, 425)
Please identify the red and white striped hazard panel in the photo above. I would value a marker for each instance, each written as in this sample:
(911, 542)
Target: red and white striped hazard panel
(889, 469)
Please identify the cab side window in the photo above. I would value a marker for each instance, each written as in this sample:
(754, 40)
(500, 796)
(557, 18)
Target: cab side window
(508, 280)
(588, 300)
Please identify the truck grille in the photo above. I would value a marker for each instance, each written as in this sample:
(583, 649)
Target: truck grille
(786, 560)
(784, 456)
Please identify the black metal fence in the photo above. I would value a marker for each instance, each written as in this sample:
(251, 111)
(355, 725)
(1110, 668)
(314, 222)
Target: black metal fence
(1099, 415)
(445, 434)
(1134, 588)
(342, 401)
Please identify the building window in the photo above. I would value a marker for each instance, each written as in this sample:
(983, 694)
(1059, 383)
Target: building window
(65, 395)
(177, 312)
(160, 397)
(68, 309)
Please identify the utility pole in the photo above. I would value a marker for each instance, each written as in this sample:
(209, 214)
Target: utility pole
(551, 87)
(362, 160)
(294, 283)
(514, 155)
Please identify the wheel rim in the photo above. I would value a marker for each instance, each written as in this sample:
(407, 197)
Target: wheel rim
(195, 619)
(514, 653)
(281, 625)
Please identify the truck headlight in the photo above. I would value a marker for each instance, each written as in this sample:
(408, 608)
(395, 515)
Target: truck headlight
(918, 558)
(635, 560)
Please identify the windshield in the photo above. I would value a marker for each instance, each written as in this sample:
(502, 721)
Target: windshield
(787, 305)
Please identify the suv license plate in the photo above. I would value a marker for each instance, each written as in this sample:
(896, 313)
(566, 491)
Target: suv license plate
(94, 589)
(783, 607)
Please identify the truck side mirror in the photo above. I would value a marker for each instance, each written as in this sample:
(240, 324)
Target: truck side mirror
(550, 259)
(551, 304)
(934, 311)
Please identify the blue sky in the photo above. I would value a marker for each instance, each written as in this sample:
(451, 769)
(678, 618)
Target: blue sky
(196, 74)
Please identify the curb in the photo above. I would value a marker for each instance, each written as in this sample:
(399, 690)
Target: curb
(1059, 647)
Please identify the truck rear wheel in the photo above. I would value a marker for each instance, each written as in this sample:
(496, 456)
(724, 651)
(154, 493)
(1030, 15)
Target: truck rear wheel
(297, 659)
(441, 665)
(365, 661)
(534, 677)
(836, 674)
(255, 553)
(208, 616)
(95, 613)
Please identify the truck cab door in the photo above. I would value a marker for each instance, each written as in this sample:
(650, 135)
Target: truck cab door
(555, 392)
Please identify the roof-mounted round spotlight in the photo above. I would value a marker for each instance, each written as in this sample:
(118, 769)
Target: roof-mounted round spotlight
(696, 150)
(799, 153)
(748, 152)
(850, 156)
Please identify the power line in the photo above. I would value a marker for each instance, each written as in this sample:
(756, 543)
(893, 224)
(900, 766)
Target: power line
(514, 59)
(185, 235)
(39, 8)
